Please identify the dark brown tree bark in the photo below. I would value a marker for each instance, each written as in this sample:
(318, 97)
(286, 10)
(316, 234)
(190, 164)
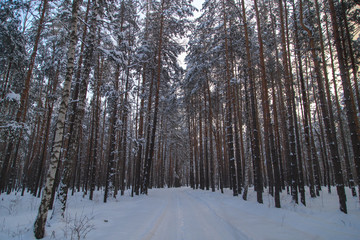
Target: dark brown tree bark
(306, 112)
(348, 95)
(22, 111)
(255, 138)
(348, 39)
(329, 128)
(110, 172)
(229, 111)
(201, 149)
(210, 127)
(124, 131)
(206, 142)
(95, 155)
(341, 122)
(265, 105)
(148, 160)
(289, 101)
(191, 144)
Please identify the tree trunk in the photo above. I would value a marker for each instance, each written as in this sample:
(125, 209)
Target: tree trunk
(39, 226)
(148, 161)
(113, 102)
(77, 111)
(201, 149)
(191, 144)
(124, 131)
(255, 139)
(96, 164)
(229, 112)
(210, 127)
(349, 100)
(341, 124)
(206, 144)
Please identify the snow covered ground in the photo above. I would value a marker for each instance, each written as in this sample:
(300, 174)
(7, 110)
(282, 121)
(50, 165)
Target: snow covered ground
(187, 214)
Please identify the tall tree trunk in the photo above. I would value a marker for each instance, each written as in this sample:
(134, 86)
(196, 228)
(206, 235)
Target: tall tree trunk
(140, 137)
(196, 151)
(212, 182)
(113, 102)
(341, 122)
(206, 144)
(201, 148)
(229, 111)
(148, 161)
(78, 110)
(191, 144)
(255, 139)
(306, 112)
(265, 103)
(96, 164)
(140, 141)
(124, 130)
(39, 226)
(219, 154)
(289, 101)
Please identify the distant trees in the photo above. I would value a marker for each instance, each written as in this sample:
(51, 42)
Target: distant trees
(10, 154)
(280, 84)
(269, 97)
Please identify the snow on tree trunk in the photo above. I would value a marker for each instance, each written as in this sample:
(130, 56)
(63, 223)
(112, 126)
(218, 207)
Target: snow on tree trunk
(77, 113)
(349, 100)
(148, 160)
(39, 226)
(327, 118)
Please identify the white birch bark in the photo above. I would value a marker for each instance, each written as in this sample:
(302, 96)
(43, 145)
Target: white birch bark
(39, 226)
(77, 115)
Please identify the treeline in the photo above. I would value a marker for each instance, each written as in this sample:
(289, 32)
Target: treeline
(93, 97)
(272, 96)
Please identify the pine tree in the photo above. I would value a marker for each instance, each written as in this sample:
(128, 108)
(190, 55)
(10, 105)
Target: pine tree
(23, 108)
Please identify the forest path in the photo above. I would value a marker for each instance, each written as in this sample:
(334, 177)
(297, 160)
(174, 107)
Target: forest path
(186, 218)
(185, 214)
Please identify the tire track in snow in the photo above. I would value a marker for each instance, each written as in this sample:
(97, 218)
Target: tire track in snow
(157, 224)
(238, 232)
(285, 227)
(171, 214)
(180, 218)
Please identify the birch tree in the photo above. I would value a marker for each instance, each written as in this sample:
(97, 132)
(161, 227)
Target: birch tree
(39, 225)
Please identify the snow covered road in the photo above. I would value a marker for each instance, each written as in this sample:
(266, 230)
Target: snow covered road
(186, 214)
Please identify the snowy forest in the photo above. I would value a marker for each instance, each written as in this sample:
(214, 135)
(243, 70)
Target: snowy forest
(125, 96)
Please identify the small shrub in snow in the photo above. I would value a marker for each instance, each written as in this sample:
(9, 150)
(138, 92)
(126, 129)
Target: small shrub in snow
(19, 233)
(78, 227)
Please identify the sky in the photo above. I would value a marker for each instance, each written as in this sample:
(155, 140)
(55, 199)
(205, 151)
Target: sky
(198, 5)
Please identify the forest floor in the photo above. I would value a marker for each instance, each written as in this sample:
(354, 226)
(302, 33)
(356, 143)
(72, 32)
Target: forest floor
(184, 213)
